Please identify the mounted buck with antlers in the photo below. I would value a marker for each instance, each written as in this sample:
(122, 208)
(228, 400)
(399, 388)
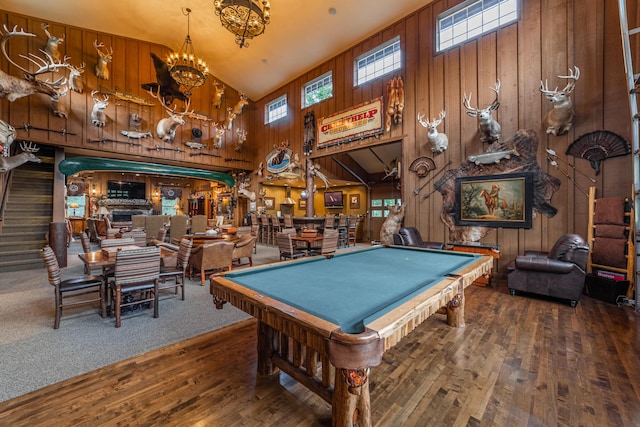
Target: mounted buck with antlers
(439, 141)
(237, 109)
(559, 120)
(53, 43)
(75, 78)
(14, 88)
(219, 131)
(166, 128)
(219, 91)
(7, 136)
(104, 58)
(242, 137)
(489, 128)
(98, 116)
(8, 163)
(230, 116)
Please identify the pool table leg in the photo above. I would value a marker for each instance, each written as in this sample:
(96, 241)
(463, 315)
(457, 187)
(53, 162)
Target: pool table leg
(350, 407)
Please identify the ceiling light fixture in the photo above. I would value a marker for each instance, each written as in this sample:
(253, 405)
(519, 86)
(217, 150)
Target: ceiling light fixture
(244, 18)
(185, 67)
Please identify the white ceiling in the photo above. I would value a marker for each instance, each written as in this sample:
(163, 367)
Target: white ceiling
(302, 33)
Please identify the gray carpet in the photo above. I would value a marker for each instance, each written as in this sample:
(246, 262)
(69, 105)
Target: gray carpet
(34, 355)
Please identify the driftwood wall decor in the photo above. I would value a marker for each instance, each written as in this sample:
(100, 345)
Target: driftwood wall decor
(525, 142)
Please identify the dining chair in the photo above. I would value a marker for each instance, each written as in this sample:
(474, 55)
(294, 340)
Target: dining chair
(114, 243)
(69, 291)
(216, 256)
(139, 237)
(136, 274)
(177, 273)
(329, 243)
(86, 248)
(287, 249)
(198, 224)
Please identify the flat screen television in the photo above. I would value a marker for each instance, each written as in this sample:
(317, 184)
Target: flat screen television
(333, 199)
(126, 190)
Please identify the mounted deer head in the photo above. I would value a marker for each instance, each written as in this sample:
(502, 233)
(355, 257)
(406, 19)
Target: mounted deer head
(242, 137)
(14, 88)
(98, 116)
(219, 91)
(8, 163)
(75, 78)
(559, 120)
(219, 133)
(53, 43)
(237, 109)
(166, 128)
(58, 107)
(104, 58)
(230, 116)
(439, 141)
(489, 128)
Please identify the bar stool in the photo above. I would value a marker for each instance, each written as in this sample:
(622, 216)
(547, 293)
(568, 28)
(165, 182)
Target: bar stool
(276, 227)
(288, 221)
(264, 229)
(351, 226)
(343, 233)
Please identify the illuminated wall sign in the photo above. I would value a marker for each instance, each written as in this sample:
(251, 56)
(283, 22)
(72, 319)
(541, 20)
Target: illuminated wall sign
(356, 123)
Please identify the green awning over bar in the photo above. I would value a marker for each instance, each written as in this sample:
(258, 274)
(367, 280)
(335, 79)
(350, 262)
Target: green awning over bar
(78, 164)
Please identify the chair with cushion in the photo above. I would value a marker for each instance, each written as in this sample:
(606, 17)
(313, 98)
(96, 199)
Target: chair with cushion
(410, 236)
(86, 248)
(139, 237)
(69, 291)
(138, 221)
(177, 273)
(153, 223)
(93, 232)
(178, 228)
(244, 249)
(115, 243)
(216, 256)
(329, 243)
(135, 280)
(559, 273)
(287, 249)
(198, 224)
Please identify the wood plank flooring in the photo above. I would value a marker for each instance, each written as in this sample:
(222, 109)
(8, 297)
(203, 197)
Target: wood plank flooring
(520, 361)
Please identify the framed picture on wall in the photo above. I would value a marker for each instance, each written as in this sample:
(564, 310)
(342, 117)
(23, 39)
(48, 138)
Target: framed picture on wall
(302, 204)
(354, 201)
(270, 203)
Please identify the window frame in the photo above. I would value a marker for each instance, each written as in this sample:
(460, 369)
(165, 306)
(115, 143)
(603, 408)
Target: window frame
(312, 82)
(380, 48)
(467, 5)
(279, 99)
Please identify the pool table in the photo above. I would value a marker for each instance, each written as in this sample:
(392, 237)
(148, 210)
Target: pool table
(326, 320)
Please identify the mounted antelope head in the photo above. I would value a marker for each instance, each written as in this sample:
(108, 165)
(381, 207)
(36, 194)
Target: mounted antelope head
(489, 128)
(98, 116)
(560, 119)
(230, 116)
(242, 137)
(7, 136)
(237, 109)
(104, 58)
(53, 43)
(75, 78)
(439, 141)
(8, 163)
(166, 128)
(219, 133)
(14, 88)
(219, 91)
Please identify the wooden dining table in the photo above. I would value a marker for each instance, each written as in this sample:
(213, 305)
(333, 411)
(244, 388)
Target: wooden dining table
(106, 258)
(310, 242)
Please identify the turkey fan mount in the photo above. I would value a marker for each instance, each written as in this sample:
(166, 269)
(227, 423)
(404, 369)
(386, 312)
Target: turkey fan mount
(599, 145)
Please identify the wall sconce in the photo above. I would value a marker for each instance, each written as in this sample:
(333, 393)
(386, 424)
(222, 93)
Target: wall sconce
(93, 191)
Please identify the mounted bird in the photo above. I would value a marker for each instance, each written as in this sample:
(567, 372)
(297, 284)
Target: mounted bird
(167, 88)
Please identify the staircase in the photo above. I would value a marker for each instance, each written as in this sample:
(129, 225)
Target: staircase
(28, 212)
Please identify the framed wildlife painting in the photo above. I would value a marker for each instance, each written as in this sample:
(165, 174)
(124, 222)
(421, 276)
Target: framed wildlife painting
(495, 200)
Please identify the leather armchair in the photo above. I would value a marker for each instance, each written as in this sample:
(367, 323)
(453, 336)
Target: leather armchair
(410, 236)
(244, 249)
(211, 256)
(559, 273)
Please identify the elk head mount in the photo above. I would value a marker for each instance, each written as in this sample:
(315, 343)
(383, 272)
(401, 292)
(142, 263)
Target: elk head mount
(14, 88)
(559, 120)
(439, 141)
(490, 129)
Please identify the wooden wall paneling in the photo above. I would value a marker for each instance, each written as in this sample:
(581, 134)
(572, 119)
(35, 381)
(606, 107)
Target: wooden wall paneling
(468, 78)
(19, 109)
(38, 104)
(73, 41)
(416, 93)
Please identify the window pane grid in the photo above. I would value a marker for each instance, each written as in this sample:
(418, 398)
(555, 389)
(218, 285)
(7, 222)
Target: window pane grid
(378, 63)
(317, 90)
(478, 18)
(276, 109)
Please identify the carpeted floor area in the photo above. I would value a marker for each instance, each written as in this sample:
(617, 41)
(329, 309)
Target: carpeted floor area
(33, 354)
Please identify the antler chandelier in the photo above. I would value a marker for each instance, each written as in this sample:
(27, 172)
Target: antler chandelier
(185, 67)
(244, 18)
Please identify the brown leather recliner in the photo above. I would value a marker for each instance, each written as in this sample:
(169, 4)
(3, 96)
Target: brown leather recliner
(559, 273)
(244, 249)
(410, 236)
(211, 256)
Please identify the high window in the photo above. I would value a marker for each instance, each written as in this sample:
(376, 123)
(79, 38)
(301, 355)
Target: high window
(317, 90)
(275, 110)
(377, 62)
(472, 19)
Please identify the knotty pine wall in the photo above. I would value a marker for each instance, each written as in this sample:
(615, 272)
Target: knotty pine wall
(550, 37)
(131, 66)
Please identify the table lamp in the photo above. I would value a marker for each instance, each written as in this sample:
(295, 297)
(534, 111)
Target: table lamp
(102, 212)
(177, 208)
(74, 206)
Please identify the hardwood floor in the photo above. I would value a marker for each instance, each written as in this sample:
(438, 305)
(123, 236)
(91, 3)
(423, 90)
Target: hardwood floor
(520, 361)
